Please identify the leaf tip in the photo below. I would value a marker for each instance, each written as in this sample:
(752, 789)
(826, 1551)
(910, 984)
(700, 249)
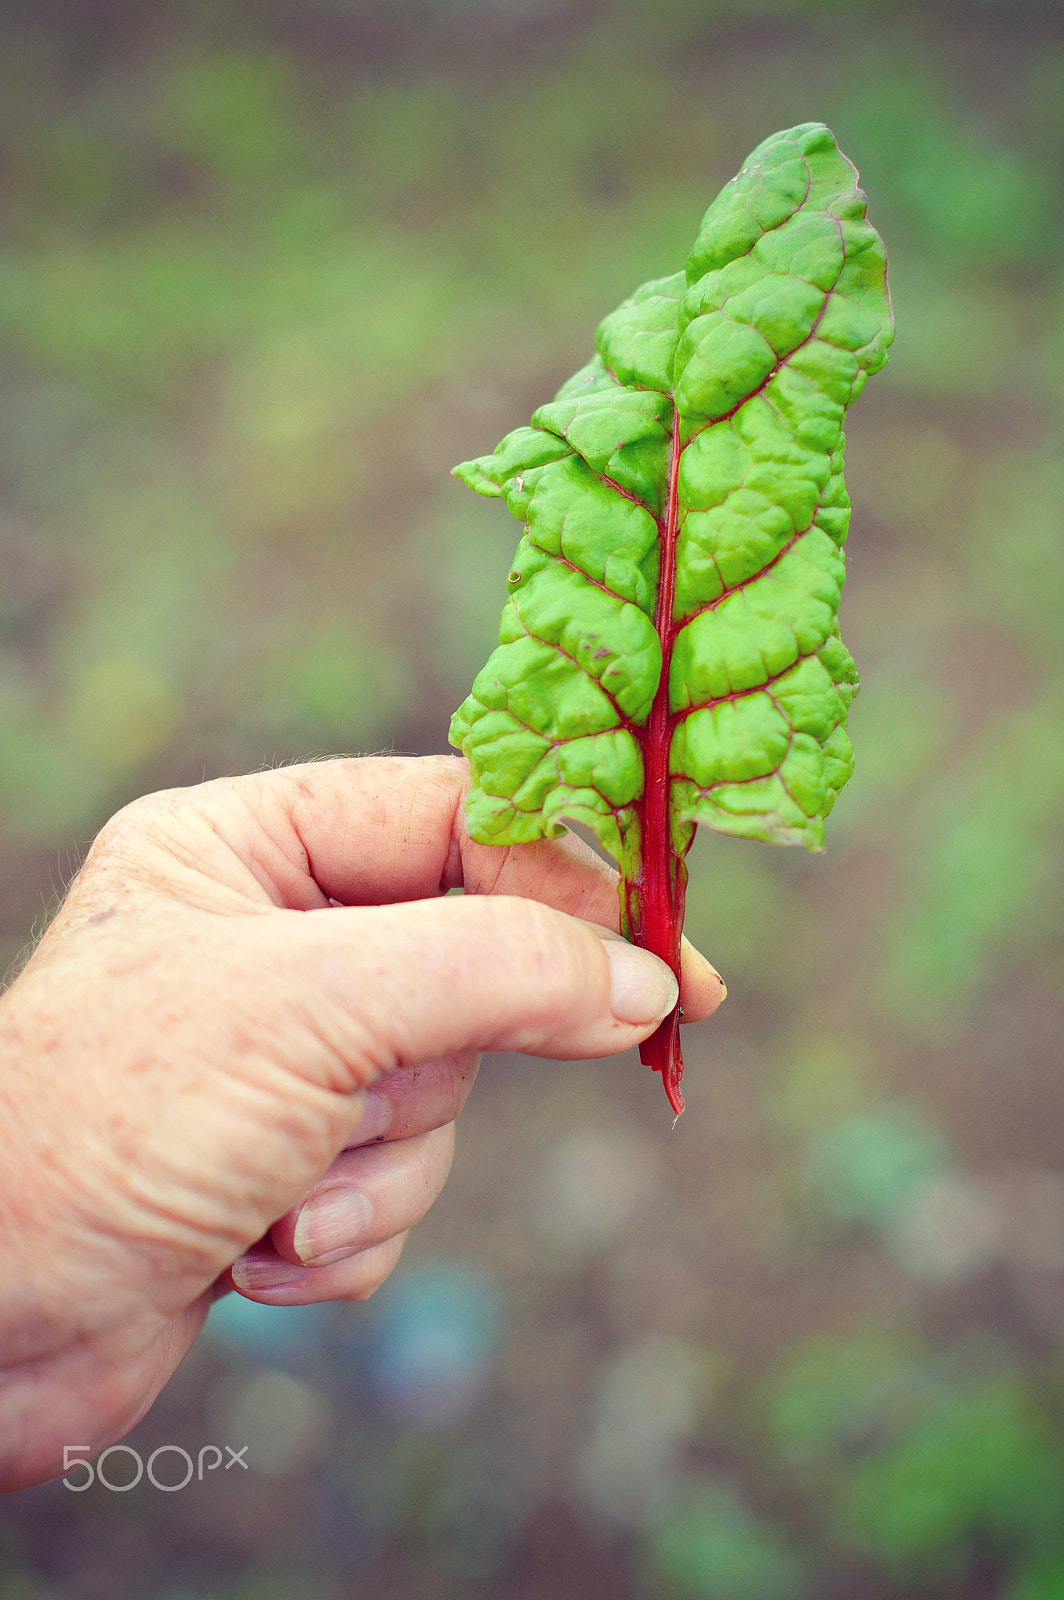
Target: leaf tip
(473, 475)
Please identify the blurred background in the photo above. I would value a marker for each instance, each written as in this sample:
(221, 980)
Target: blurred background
(267, 271)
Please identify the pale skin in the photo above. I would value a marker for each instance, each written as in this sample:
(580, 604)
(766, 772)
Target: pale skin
(235, 1059)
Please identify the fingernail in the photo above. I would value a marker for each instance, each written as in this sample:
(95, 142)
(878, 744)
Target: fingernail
(644, 990)
(376, 1118)
(332, 1224)
(692, 953)
(262, 1271)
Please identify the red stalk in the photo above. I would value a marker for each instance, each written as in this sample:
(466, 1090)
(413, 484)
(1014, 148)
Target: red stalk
(656, 898)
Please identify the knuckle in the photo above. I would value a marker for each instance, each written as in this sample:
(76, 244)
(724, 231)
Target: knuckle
(125, 834)
(126, 826)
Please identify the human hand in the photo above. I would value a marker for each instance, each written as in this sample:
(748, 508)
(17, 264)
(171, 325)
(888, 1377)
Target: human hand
(236, 1057)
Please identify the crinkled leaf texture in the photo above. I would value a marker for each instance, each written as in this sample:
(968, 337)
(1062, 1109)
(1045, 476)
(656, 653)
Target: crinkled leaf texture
(670, 651)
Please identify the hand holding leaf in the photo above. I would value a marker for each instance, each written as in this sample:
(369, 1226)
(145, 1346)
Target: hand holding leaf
(670, 651)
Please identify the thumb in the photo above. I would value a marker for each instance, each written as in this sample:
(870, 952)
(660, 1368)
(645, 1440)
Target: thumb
(406, 983)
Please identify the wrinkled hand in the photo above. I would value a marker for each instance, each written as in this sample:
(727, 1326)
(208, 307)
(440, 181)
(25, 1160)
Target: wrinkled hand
(236, 1057)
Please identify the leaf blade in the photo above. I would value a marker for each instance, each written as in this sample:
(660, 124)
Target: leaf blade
(670, 654)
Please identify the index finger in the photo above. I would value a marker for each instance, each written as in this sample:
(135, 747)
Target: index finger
(388, 829)
(380, 830)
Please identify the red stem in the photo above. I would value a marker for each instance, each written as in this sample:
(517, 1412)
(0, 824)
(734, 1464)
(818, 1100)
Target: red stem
(655, 902)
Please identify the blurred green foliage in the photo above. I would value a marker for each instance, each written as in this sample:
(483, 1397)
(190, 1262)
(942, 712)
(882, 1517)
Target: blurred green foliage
(712, 1547)
(265, 274)
(979, 1464)
(864, 1168)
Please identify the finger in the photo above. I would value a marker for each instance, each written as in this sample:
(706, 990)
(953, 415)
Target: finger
(395, 985)
(360, 831)
(702, 989)
(355, 1278)
(371, 831)
(367, 1196)
(415, 1099)
(408, 816)
(701, 986)
(567, 874)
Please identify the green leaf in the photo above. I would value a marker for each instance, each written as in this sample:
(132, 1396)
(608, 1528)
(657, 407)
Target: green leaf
(670, 652)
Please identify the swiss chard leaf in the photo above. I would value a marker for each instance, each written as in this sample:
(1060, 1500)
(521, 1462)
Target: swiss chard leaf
(670, 651)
